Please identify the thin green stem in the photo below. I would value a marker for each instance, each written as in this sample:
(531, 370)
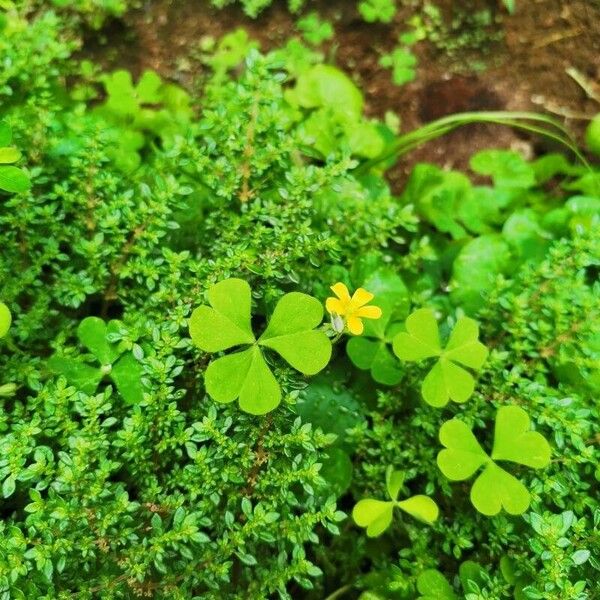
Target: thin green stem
(340, 592)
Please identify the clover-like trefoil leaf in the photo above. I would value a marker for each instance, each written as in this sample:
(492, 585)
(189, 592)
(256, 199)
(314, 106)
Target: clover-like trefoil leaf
(115, 363)
(291, 333)
(494, 488)
(376, 515)
(447, 380)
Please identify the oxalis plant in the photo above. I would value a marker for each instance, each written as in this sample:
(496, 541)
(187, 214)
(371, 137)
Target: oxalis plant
(245, 375)
(292, 333)
(376, 515)
(494, 488)
(116, 361)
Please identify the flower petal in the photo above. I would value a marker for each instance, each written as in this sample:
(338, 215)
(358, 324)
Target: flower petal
(355, 325)
(361, 297)
(341, 291)
(333, 305)
(368, 312)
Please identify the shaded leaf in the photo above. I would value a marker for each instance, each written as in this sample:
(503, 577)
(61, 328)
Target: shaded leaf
(82, 376)
(127, 375)
(434, 586)
(92, 332)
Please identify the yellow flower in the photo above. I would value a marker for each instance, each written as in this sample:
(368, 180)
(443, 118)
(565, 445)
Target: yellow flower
(352, 309)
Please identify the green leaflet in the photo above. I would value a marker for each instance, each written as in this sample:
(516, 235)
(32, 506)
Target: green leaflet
(376, 515)
(432, 585)
(5, 319)
(494, 489)
(448, 379)
(116, 363)
(226, 323)
(12, 179)
(245, 375)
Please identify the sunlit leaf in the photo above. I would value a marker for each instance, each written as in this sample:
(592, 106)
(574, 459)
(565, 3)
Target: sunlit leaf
(422, 508)
(13, 180)
(244, 375)
(291, 333)
(495, 489)
(421, 339)
(514, 441)
(375, 515)
(5, 319)
(462, 455)
(226, 323)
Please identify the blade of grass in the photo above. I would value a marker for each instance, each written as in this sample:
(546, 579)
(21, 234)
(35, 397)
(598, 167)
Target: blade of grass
(526, 121)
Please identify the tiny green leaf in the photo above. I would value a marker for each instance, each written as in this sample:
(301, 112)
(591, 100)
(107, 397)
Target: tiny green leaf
(8, 486)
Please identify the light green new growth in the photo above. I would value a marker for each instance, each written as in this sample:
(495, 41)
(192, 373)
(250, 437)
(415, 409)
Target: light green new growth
(494, 488)
(5, 319)
(245, 375)
(447, 380)
(376, 515)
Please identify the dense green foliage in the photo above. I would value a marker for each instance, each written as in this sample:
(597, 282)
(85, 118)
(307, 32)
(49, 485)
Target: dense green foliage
(151, 235)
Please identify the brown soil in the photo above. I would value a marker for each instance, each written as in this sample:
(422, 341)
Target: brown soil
(526, 70)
